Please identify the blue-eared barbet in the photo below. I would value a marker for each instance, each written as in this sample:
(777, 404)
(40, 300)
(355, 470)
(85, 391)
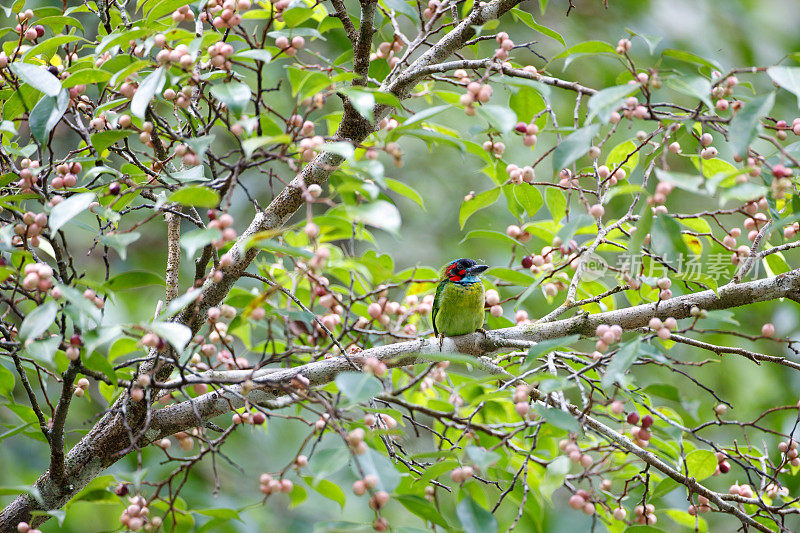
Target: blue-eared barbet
(459, 302)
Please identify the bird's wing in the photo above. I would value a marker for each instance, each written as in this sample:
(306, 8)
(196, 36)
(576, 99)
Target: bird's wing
(437, 301)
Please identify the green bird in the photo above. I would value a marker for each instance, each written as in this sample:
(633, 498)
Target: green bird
(458, 305)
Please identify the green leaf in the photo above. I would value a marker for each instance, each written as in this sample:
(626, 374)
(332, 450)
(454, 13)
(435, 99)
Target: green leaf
(620, 363)
(95, 361)
(37, 321)
(330, 490)
(687, 182)
(6, 382)
(547, 346)
(195, 195)
(787, 78)
(45, 349)
(690, 58)
(606, 101)
(574, 146)
(375, 463)
(406, 190)
(401, 6)
(526, 103)
(102, 140)
(146, 90)
(474, 518)
(481, 457)
(133, 280)
(480, 201)
(558, 418)
(194, 240)
(380, 214)
(697, 87)
(69, 209)
(500, 117)
(120, 242)
(575, 223)
(424, 114)
(37, 77)
(701, 464)
(686, 520)
(362, 101)
(745, 124)
(488, 234)
(620, 153)
(328, 461)
(234, 95)
(46, 114)
(513, 276)
(358, 386)
(177, 335)
(528, 197)
(528, 19)
(422, 508)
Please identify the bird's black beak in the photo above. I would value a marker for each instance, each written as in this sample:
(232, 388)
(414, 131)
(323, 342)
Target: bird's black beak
(477, 269)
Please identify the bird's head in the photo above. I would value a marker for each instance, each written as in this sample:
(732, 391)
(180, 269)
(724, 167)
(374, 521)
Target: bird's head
(463, 271)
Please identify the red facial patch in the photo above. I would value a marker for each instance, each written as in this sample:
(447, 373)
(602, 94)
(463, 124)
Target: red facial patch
(453, 274)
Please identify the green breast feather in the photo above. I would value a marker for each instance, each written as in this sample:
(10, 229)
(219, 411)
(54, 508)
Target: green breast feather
(458, 308)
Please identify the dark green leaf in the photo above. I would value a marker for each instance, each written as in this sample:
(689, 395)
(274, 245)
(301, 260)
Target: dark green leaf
(423, 509)
(474, 518)
(133, 280)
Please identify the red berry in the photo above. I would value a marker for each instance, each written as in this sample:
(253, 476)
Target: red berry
(114, 188)
(643, 435)
(521, 127)
(647, 421)
(527, 261)
(212, 214)
(76, 340)
(724, 467)
(39, 30)
(121, 490)
(633, 417)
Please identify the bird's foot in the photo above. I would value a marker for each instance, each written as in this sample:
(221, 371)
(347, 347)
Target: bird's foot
(441, 341)
(484, 332)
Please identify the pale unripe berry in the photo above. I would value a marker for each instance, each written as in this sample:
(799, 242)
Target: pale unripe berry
(620, 514)
(513, 231)
(576, 502)
(768, 330)
(496, 310)
(492, 297)
(597, 211)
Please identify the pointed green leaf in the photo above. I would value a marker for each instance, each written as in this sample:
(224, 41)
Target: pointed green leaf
(146, 90)
(37, 321)
(480, 201)
(46, 114)
(37, 77)
(574, 146)
(474, 518)
(69, 209)
(745, 124)
(787, 78)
